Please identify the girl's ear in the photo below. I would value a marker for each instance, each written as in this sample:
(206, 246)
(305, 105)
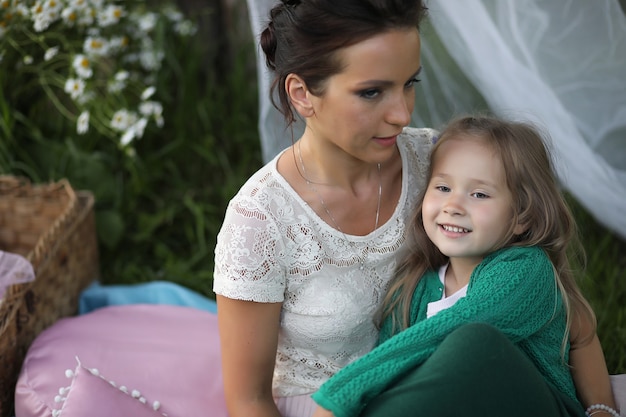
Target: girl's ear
(520, 229)
(299, 95)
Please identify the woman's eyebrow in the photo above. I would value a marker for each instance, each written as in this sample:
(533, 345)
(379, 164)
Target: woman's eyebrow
(385, 83)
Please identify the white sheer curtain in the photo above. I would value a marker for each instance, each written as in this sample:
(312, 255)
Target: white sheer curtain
(274, 136)
(560, 64)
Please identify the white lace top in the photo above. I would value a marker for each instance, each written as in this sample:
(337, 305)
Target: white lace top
(273, 248)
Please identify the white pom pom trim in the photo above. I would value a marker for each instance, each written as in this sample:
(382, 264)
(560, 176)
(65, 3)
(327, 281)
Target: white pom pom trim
(64, 391)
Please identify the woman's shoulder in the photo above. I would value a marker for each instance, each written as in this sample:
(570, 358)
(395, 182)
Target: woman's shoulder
(263, 184)
(414, 141)
(418, 139)
(414, 145)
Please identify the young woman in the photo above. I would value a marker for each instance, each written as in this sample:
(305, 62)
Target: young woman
(310, 242)
(483, 300)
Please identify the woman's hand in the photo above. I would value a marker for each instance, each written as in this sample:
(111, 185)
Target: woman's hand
(249, 340)
(322, 412)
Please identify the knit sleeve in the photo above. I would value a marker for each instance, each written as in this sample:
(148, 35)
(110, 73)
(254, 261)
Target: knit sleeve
(514, 290)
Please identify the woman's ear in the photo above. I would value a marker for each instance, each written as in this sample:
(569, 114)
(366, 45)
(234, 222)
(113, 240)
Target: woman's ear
(299, 95)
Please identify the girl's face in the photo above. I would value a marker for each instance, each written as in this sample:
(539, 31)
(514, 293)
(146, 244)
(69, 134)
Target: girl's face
(467, 209)
(364, 107)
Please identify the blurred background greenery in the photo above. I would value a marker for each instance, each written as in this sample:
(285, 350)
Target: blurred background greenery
(159, 208)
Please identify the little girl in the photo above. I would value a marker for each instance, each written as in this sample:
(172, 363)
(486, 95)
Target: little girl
(481, 306)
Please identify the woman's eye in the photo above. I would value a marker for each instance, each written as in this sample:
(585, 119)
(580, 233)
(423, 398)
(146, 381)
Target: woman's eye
(412, 82)
(370, 93)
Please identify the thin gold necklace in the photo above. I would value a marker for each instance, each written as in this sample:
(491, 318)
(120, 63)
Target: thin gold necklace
(311, 185)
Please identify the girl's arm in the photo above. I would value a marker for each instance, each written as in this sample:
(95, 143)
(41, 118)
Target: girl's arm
(249, 339)
(589, 371)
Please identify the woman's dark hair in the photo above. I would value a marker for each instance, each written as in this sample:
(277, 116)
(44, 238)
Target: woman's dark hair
(303, 36)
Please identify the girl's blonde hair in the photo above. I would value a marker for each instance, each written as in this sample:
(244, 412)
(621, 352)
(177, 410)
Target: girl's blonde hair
(538, 204)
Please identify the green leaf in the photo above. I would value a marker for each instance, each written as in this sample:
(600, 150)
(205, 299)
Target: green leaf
(110, 227)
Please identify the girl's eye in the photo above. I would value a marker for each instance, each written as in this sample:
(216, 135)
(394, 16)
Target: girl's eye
(480, 195)
(443, 188)
(412, 82)
(370, 93)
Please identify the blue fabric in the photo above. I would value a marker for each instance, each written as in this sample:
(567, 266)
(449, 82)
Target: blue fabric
(155, 292)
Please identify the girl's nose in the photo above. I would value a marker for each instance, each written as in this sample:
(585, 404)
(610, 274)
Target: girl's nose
(453, 206)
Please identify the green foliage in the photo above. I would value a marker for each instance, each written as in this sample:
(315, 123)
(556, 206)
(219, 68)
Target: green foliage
(161, 196)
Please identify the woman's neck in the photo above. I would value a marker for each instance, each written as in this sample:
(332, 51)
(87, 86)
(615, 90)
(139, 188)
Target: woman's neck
(327, 165)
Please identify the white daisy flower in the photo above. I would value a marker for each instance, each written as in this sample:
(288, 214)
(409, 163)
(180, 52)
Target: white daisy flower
(151, 60)
(69, 16)
(140, 127)
(75, 87)
(136, 130)
(147, 22)
(82, 125)
(82, 66)
(95, 45)
(154, 109)
(122, 75)
(173, 14)
(53, 6)
(148, 92)
(123, 119)
(86, 97)
(51, 53)
(115, 86)
(127, 137)
(86, 16)
(79, 4)
(41, 22)
(118, 43)
(110, 15)
(21, 10)
(185, 28)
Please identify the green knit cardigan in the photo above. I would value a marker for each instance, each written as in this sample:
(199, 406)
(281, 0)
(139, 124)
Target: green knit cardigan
(513, 289)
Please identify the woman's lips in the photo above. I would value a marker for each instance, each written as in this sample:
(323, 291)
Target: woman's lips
(388, 141)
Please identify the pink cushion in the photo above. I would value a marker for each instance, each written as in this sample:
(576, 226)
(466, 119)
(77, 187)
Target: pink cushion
(169, 354)
(618, 382)
(89, 392)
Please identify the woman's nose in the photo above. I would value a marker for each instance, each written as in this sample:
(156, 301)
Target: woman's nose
(400, 111)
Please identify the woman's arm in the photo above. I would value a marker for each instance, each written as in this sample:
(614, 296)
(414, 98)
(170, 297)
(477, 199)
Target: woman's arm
(322, 412)
(588, 366)
(249, 339)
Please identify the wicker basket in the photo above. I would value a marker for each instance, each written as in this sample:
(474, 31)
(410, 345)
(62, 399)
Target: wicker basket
(54, 228)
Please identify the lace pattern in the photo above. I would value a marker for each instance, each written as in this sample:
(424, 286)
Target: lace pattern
(273, 248)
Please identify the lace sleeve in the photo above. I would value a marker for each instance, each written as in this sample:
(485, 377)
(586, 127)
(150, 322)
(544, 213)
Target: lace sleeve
(246, 254)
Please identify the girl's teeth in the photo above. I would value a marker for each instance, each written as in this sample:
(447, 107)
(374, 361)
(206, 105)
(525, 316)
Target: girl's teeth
(455, 229)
